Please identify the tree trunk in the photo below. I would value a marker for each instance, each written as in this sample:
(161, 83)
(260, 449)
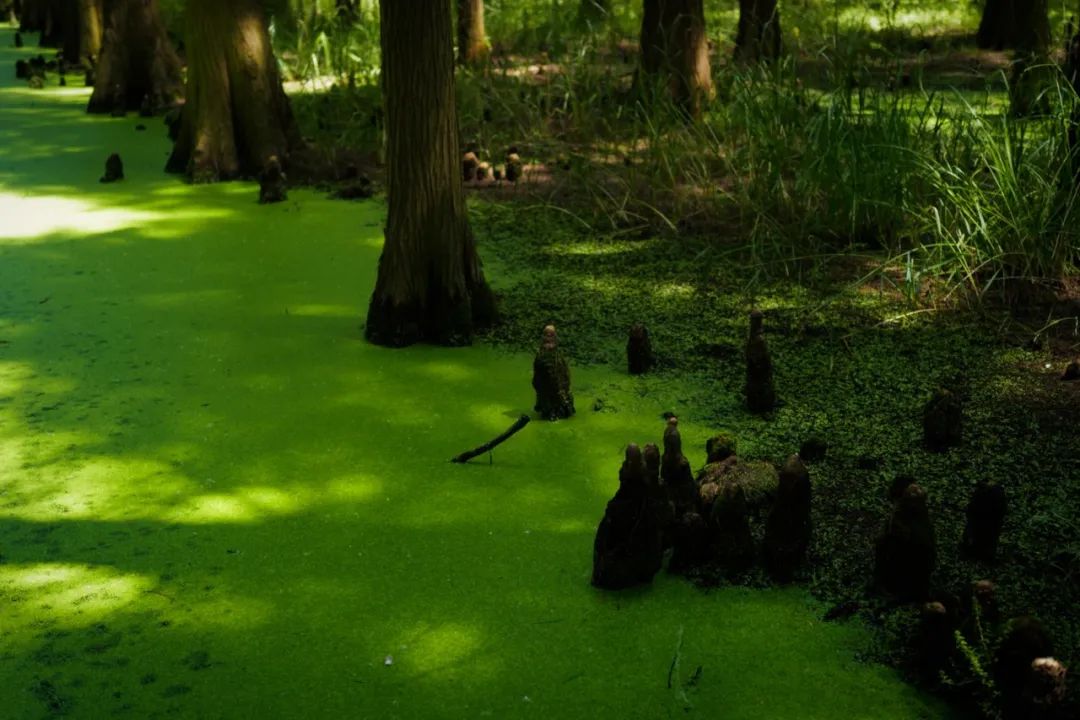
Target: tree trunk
(236, 115)
(57, 19)
(1014, 25)
(138, 69)
(82, 43)
(673, 42)
(430, 285)
(759, 35)
(32, 18)
(472, 42)
(652, 38)
(14, 11)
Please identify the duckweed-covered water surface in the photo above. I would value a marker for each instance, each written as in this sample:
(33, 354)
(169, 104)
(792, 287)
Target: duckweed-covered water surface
(216, 500)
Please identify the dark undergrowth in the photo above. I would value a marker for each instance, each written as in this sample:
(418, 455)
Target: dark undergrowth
(855, 362)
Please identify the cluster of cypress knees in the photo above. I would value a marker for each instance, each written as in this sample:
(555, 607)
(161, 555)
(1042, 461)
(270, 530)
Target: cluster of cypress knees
(474, 170)
(662, 511)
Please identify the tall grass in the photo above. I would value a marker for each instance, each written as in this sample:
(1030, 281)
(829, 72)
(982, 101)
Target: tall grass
(838, 150)
(1004, 209)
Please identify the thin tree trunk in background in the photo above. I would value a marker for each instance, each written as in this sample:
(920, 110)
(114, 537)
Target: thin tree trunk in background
(138, 63)
(688, 51)
(82, 44)
(1014, 25)
(32, 17)
(472, 41)
(759, 35)
(673, 42)
(57, 16)
(652, 38)
(430, 284)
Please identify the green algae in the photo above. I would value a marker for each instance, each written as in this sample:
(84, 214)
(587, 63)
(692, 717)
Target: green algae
(217, 501)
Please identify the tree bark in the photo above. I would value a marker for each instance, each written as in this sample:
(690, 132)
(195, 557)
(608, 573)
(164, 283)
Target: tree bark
(430, 284)
(472, 42)
(138, 67)
(759, 36)
(82, 43)
(32, 17)
(674, 44)
(236, 114)
(57, 19)
(1022, 25)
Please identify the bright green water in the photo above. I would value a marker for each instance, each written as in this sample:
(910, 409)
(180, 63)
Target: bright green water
(217, 501)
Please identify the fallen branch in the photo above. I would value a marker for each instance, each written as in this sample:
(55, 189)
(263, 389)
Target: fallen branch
(491, 444)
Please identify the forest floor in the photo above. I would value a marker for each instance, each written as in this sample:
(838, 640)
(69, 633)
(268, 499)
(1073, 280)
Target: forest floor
(216, 500)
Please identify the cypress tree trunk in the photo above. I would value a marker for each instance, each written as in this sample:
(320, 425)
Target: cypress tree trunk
(236, 115)
(57, 19)
(652, 38)
(83, 43)
(32, 17)
(1014, 25)
(430, 285)
(472, 42)
(759, 35)
(673, 42)
(138, 63)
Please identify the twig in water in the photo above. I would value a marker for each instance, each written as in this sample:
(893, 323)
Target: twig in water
(490, 445)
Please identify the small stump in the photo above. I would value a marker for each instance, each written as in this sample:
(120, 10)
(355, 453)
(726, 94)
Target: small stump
(943, 421)
(639, 354)
(675, 471)
(551, 379)
(759, 389)
(114, 169)
(985, 518)
(628, 547)
(272, 182)
(906, 553)
(787, 532)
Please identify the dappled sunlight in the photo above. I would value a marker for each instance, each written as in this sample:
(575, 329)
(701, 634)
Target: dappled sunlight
(249, 504)
(426, 648)
(204, 463)
(316, 310)
(28, 219)
(72, 595)
(446, 371)
(18, 376)
(608, 247)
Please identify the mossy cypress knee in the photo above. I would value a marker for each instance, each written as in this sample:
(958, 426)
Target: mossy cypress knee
(627, 550)
(985, 519)
(639, 354)
(787, 532)
(675, 471)
(760, 391)
(943, 421)
(906, 553)
(551, 379)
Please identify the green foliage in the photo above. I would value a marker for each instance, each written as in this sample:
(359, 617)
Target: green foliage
(219, 501)
(1004, 206)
